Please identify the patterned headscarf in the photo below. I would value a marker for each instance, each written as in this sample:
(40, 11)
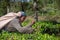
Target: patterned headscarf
(22, 13)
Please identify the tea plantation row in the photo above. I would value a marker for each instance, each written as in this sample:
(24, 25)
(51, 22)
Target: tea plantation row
(38, 34)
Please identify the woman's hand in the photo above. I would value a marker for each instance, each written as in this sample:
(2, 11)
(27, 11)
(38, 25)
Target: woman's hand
(33, 21)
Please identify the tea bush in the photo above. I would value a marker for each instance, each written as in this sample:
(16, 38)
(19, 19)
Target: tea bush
(36, 35)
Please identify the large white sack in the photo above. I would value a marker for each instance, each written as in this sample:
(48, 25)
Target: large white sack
(6, 18)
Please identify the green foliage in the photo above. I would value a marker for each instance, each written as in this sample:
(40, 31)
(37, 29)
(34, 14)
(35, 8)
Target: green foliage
(3, 5)
(17, 36)
(28, 7)
(37, 35)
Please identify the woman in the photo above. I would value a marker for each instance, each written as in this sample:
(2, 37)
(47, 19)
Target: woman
(15, 24)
